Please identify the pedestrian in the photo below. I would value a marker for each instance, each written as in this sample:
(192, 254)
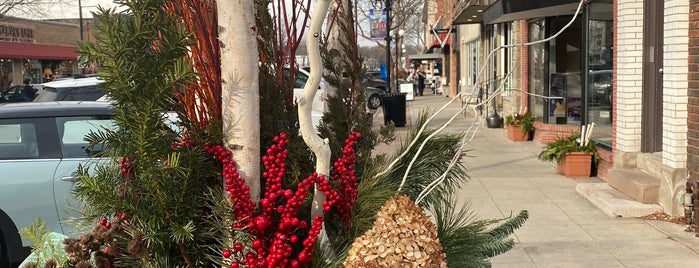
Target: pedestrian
(421, 81)
(28, 92)
(413, 77)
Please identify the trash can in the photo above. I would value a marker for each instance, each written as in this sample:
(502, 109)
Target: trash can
(394, 108)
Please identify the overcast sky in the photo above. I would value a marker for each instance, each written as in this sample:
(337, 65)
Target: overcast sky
(69, 9)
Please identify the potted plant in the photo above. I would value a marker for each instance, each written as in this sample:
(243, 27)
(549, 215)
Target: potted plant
(520, 127)
(573, 155)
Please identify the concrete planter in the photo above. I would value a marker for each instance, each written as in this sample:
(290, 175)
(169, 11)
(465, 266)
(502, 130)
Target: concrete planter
(576, 165)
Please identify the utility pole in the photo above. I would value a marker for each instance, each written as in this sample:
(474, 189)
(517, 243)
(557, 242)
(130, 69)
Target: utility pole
(80, 13)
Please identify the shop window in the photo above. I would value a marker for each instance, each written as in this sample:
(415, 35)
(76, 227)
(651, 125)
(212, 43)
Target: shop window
(538, 63)
(599, 70)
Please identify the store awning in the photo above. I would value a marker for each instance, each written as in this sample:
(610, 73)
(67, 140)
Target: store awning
(511, 10)
(471, 14)
(426, 56)
(13, 50)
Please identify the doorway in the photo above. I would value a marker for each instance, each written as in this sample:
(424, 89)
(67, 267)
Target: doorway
(652, 96)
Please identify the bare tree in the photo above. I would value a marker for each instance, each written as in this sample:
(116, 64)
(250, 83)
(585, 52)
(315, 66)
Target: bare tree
(36, 8)
(405, 15)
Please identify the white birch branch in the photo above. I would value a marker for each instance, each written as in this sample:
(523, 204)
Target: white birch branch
(319, 147)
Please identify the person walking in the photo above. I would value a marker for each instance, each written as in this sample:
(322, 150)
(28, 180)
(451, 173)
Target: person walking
(414, 78)
(421, 81)
(28, 92)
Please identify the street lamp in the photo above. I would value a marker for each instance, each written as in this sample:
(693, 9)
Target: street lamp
(399, 40)
(388, 41)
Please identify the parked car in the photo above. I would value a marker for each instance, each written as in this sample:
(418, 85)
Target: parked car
(374, 75)
(41, 145)
(375, 83)
(14, 93)
(72, 89)
(374, 88)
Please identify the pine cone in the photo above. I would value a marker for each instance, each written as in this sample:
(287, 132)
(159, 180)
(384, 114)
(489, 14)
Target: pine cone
(402, 236)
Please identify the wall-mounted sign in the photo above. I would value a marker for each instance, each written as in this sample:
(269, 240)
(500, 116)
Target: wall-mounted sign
(16, 33)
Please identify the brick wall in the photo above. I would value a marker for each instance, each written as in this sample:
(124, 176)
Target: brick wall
(629, 74)
(693, 92)
(51, 33)
(675, 82)
(546, 133)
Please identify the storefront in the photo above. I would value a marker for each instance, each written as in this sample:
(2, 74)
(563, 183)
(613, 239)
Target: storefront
(40, 51)
(569, 77)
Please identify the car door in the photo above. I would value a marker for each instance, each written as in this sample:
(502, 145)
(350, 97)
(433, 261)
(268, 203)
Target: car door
(28, 159)
(71, 133)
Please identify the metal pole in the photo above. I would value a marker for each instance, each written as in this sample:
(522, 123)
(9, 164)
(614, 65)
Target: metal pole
(80, 12)
(388, 44)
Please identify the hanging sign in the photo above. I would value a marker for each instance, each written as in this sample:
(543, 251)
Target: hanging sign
(377, 23)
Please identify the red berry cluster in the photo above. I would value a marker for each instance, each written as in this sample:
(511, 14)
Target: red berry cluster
(276, 227)
(238, 192)
(344, 172)
(126, 168)
(186, 141)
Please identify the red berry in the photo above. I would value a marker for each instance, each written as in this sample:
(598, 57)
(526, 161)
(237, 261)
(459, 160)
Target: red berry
(227, 253)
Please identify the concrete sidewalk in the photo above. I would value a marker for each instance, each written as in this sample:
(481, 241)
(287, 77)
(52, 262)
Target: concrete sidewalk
(564, 229)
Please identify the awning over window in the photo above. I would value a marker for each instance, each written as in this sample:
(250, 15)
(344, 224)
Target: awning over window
(13, 50)
(511, 10)
(471, 14)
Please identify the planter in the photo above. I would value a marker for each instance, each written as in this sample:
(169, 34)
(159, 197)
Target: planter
(576, 165)
(515, 133)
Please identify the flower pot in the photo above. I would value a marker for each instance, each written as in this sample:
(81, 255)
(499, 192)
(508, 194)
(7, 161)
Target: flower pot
(515, 133)
(576, 165)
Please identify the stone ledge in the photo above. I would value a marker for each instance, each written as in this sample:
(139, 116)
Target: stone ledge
(613, 202)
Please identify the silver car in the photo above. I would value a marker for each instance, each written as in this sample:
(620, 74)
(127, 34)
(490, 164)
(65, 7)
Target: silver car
(41, 145)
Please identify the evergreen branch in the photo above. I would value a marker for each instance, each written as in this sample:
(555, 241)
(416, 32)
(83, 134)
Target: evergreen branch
(496, 247)
(510, 225)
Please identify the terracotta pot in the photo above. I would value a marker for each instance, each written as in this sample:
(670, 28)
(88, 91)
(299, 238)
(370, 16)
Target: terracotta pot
(515, 133)
(576, 165)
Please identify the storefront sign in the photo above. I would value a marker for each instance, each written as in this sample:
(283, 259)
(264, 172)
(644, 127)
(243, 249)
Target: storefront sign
(16, 33)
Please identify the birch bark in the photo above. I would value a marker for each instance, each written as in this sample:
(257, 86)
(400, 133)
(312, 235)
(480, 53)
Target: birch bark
(240, 88)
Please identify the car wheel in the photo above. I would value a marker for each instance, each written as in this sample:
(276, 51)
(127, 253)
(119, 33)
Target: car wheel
(374, 101)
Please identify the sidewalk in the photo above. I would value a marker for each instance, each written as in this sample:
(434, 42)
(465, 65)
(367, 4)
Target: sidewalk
(564, 229)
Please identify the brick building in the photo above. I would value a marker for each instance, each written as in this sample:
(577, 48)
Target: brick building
(629, 66)
(38, 50)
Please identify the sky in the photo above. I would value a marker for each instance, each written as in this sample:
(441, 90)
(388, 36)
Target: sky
(69, 9)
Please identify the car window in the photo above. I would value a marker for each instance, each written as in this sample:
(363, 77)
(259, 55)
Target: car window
(87, 93)
(48, 94)
(301, 79)
(72, 131)
(18, 140)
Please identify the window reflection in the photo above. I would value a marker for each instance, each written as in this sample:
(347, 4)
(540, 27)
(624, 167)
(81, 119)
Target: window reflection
(600, 75)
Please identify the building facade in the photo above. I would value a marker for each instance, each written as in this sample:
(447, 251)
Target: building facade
(37, 50)
(628, 66)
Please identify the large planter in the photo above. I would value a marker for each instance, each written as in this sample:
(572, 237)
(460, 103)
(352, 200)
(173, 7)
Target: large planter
(515, 133)
(576, 165)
